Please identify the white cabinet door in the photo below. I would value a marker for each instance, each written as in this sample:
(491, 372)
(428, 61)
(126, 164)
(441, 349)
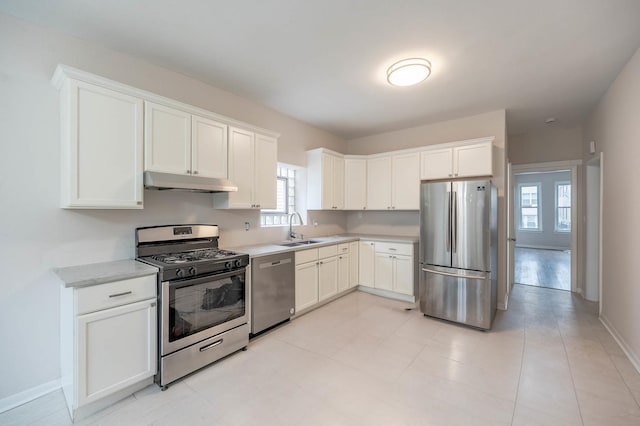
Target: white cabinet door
(306, 285)
(366, 262)
(403, 274)
(473, 160)
(240, 169)
(383, 271)
(436, 164)
(353, 263)
(338, 183)
(208, 147)
(265, 165)
(343, 272)
(326, 179)
(167, 139)
(116, 348)
(405, 191)
(379, 183)
(355, 184)
(102, 141)
(327, 278)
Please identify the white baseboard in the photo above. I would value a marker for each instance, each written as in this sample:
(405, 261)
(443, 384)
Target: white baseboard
(633, 357)
(28, 395)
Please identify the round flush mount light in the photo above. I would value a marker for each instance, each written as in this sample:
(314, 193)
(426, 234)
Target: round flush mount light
(408, 72)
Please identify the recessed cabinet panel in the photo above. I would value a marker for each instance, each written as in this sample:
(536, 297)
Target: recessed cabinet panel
(366, 262)
(102, 145)
(473, 160)
(405, 193)
(353, 263)
(306, 285)
(327, 278)
(265, 166)
(437, 164)
(129, 333)
(379, 183)
(403, 275)
(383, 275)
(209, 147)
(343, 272)
(355, 184)
(240, 168)
(167, 139)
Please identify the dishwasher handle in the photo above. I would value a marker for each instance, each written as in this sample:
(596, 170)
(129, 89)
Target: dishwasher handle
(275, 263)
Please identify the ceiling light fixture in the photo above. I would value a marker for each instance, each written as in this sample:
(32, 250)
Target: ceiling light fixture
(408, 72)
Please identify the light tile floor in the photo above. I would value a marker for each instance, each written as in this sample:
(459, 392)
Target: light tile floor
(365, 360)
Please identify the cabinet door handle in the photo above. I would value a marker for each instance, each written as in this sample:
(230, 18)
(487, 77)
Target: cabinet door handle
(195, 172)
(392, 249)
(188, 172)
(211, 346)
(120, 294)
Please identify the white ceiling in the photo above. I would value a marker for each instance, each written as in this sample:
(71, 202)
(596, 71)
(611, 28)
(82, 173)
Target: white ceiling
(324, 62)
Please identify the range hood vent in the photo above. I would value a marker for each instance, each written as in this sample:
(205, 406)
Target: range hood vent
(175, 182)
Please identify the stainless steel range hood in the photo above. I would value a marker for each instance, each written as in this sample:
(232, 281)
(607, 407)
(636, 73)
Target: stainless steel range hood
(193, 183)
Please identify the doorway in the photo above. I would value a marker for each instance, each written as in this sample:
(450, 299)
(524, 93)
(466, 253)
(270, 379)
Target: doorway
(544, 218)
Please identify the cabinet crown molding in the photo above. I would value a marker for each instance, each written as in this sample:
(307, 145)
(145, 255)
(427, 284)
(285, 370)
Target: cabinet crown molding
(65, 72)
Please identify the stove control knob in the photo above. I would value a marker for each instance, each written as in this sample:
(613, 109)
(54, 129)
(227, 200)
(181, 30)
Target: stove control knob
(228, 265)
(238, 263)
(179, 273)
(192, 270)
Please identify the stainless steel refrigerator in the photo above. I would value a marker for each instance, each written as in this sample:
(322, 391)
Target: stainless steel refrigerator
(458, 241)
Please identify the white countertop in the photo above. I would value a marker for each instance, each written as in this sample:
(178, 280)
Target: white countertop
(100, 273)
(259, 250)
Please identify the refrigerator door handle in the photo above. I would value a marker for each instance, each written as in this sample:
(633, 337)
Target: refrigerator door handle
(449, 222)
(449, 274)
(455, 222)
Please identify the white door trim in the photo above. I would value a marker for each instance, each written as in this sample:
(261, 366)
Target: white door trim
(550, 166)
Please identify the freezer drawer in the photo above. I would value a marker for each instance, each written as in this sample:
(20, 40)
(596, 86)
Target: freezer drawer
(467, 297)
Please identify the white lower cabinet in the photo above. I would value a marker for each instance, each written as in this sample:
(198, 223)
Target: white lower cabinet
(322, 273)
(388, 266)
(327, 278)
(353, 263)
(366, 257)
(108, 342)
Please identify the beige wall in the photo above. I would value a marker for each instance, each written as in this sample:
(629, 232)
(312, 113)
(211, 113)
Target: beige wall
(408, 223)
(549, 144)
(37, 235)
(614, 127)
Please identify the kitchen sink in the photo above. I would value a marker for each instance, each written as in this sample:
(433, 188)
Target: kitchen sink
(299, 243)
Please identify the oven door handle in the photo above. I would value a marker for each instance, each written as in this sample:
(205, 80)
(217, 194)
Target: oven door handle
(203, 279)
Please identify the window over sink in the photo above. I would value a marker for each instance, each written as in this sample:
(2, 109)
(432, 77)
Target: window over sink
(286, 198)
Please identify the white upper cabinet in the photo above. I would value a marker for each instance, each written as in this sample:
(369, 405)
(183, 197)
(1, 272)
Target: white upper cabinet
(253, 162)
(208, 147)
(101, 146)
(181, 143)
(355, 183)
(325, 180)
(460, 161)
(167, 139)
(405, 182)
(379, 183)
(393, 182)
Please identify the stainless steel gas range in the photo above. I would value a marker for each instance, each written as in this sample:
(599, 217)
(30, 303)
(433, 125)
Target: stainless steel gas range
(203, 297)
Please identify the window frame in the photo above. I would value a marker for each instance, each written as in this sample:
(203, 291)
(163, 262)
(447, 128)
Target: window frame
(284, 173)
(538, 208)
(557, 208)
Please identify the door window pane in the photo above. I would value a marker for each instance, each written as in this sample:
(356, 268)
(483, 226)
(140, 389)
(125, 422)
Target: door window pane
(563, 207)
(529, 207)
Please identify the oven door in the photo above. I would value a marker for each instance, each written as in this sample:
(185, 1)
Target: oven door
(197, 308)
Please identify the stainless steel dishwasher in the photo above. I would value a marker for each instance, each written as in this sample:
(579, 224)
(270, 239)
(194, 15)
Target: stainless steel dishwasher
(273, 290)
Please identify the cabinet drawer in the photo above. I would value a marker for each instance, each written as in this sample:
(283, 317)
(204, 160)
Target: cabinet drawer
(304, 256)
(343, 248)
(394, 248)
(109, 295)
(328, 251)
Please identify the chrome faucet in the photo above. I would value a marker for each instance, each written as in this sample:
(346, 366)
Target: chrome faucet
(292, 234)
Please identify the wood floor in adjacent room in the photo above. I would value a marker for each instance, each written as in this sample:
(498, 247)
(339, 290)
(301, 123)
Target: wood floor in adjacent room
(365, 360)
(543, 268)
